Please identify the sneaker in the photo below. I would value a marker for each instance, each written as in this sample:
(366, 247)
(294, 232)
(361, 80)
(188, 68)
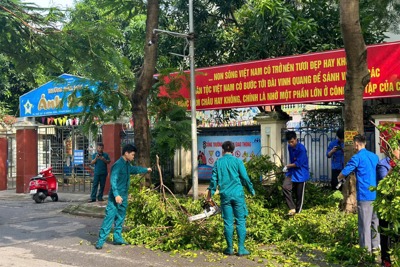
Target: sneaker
(91, 200)
(100, 199)
(291, 212)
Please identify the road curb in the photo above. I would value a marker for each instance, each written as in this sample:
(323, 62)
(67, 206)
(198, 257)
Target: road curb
(88, 210)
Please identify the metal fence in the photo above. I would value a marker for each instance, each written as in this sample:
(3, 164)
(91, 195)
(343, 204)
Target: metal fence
(11, 162)
(316, 141)
(58, 144)
(61, 148)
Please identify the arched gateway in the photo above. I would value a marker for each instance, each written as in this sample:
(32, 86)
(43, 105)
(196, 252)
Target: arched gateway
(47, 134)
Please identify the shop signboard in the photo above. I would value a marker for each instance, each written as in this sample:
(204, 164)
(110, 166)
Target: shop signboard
(52, 98)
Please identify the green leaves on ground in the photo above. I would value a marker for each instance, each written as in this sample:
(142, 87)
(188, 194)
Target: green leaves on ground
(320, 233)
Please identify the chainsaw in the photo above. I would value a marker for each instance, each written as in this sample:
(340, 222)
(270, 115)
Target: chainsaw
(341, 182)
(210, 209)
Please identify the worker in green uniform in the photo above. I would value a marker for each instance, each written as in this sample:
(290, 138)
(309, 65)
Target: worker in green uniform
(230, 175)
(118, 196)
(100, 160)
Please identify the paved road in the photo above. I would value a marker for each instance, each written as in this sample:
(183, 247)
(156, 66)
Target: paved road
(41, 235)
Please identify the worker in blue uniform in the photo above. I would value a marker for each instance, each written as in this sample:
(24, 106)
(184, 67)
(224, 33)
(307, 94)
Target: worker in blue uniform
(364, 163)
(229, 175)
(118, 196)
(297, 173)
(335, 152)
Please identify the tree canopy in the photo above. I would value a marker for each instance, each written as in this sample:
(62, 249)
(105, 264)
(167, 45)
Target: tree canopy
(102, 40)
(107, 41)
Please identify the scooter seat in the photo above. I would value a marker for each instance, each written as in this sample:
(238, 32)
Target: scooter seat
(38, 178)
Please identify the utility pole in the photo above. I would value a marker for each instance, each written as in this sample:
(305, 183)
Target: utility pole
(189, 38)
(195, 180)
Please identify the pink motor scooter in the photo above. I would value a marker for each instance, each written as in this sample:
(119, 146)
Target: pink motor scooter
(44, 185)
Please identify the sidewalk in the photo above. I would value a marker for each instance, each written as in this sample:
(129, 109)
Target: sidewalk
(79, 202)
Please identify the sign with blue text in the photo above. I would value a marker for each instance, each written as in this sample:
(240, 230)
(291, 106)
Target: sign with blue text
(52, 98)
(78, 157)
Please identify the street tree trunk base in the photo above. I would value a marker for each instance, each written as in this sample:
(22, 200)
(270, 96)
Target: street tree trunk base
(349, 202)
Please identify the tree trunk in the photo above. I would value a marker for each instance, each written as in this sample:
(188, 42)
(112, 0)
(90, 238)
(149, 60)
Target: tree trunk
(357, 77)
(142, 90)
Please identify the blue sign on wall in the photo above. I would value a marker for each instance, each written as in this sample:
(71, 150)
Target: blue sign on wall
(51, 98)
(78, 157)
(204, 172)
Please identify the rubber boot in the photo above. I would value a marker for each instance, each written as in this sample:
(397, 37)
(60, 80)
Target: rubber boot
(228, 233)
(241, 232)
(227, 216)
(99, 244)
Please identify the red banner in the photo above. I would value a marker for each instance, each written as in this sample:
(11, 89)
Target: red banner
(310, 78)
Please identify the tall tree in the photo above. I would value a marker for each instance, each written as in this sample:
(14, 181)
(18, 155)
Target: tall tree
(135, 21)
(357, 77)
(25, 31)
(12, 83)
(37, 45)
(143, 85)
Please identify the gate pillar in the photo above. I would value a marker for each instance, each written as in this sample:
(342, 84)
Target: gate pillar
(3, 161)
(271, 127)
(27, 153)
(112, 146)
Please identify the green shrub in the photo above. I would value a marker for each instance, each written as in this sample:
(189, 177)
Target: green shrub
(269, 190)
